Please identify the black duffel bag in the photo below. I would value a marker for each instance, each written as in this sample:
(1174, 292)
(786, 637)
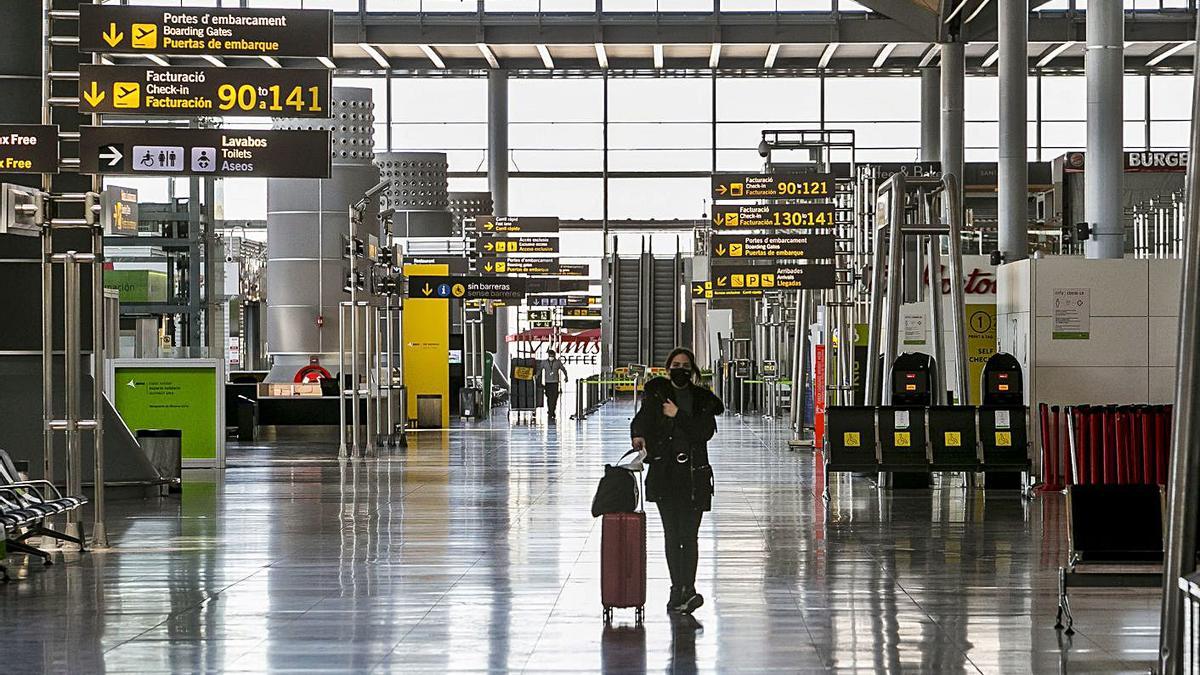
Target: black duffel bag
(618, 490)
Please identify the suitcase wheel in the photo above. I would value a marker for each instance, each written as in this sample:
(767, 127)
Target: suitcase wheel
(608, 615)
(640, 615)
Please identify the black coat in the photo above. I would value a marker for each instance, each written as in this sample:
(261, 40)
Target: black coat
(687, 483)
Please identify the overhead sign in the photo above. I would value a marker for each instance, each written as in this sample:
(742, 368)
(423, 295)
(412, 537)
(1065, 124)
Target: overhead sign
(770, 216)
(582, 312)
(552, 285)
(519, 245)
(454, 264)
(198, 32)
(772, 186)
(465, 288)
(119, 210)
(204, 152)
(752, 281)
(518, 265)
(206, 90)
(574, 270)
(1137, 161)
(28, 148)
(564, 301)
(741, 246)
(516, 224)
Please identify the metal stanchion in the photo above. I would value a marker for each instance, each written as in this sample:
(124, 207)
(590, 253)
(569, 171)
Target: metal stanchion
(343, 449)
(99, 529)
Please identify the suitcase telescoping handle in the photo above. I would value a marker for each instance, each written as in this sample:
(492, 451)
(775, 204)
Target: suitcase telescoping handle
(639, 482)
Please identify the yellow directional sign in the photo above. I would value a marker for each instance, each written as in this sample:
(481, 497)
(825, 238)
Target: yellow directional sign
(773, 247)
(773, 216)
(204, 90)
(112, 36)
(205, 31)
(145, 36)
(772, 186)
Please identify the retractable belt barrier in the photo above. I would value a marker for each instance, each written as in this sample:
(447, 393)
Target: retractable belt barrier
(1104, 445)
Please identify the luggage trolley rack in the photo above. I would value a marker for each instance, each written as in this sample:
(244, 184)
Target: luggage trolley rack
(926, 439)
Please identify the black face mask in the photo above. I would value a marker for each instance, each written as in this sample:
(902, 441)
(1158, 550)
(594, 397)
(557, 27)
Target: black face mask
(681, 377)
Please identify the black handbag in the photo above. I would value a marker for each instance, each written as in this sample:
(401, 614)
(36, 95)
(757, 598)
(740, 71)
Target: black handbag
(618, 490)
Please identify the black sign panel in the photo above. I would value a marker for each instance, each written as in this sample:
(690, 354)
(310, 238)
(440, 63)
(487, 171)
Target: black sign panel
(454, 265)
(204, 152)
(465, 288)
(519, 245)
(158, 90)
(119, 211)
(749, 281)
(582, 312)
(516, 225)
(564, 301)
(28, 148)
(772, 216)
(549, 285)
(772, 186)
(734, 247)
(574, 270)
(196, 32)
(545, 266)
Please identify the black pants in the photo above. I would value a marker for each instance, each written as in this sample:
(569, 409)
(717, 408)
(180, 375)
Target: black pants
(551, 389)
(681, 527)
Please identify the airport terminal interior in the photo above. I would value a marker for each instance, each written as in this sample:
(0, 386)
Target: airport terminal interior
(620, 336)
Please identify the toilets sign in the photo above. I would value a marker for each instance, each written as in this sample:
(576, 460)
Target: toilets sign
(204, 152)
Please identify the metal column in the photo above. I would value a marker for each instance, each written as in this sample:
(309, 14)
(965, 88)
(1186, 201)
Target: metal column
(498, 183)
(1182, 502)
(1102, 179)
(931, 121)
(953, 82)
(1013, 180)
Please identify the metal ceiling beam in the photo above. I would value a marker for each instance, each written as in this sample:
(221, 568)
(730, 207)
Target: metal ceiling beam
(728, 29)
(906, 12)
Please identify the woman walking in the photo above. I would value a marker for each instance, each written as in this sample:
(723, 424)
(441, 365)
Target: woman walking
(673, 426)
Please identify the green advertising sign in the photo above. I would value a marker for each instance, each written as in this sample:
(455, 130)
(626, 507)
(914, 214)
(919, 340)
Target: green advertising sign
(171, 397)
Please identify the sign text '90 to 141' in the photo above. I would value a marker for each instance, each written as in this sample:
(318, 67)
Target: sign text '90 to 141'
(772, 186)
(170, 90)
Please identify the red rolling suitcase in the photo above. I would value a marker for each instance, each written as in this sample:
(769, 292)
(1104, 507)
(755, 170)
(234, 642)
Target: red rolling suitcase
(623, 563)
(623, 559)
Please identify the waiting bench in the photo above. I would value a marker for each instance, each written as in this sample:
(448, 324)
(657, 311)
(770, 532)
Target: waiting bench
(24, 508)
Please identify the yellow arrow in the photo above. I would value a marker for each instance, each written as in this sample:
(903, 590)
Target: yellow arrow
(112, 37)
(488, 246)
(427, 290)
(718, 219)
(489, 226)
(698, 290)
(721, 280)
(488, 267)
(94, 96)
(721, 189)
(720, 249)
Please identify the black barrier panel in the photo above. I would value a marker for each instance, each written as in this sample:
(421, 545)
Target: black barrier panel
(850, 438)
(1116, 523)
(1004, 436)
(953, 438)
(902, 440)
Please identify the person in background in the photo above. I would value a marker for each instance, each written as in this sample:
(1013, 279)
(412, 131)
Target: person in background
(677, 419)
(550, 370)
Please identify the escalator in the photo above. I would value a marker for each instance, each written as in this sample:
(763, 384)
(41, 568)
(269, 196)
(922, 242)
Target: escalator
(646, 309)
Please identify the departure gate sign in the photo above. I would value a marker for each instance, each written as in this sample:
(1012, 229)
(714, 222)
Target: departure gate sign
(214, 32)
(204, 152)
(772, 186)
(772, 247)
(28, 148)
(771, 216)
(204, 90)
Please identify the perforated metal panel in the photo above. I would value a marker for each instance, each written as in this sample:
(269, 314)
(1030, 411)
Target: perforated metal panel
(419, 180)
(351, 126)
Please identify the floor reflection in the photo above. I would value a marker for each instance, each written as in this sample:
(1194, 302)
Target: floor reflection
(472, 550)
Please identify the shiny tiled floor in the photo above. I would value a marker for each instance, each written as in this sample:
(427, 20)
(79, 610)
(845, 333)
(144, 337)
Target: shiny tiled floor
(474, 551)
